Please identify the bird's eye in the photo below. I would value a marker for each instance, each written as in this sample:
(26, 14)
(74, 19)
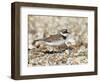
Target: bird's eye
(65, 31)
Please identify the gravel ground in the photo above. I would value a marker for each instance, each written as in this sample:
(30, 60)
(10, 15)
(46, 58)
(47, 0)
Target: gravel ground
(39, 57)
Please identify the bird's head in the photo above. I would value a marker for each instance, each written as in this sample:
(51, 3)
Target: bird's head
(64, 32)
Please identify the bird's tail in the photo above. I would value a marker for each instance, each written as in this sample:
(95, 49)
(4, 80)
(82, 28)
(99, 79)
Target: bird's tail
(36, 41)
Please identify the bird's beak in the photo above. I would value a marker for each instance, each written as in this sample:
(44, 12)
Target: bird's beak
(68, 32)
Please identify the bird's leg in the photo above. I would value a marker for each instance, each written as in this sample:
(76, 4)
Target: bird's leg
(69, 51)
(69, 48)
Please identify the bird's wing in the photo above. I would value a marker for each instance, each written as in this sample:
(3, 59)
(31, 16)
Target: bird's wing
(53, 38)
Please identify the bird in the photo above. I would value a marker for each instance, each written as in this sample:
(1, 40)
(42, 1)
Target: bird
(63, 41)
(55, 40)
